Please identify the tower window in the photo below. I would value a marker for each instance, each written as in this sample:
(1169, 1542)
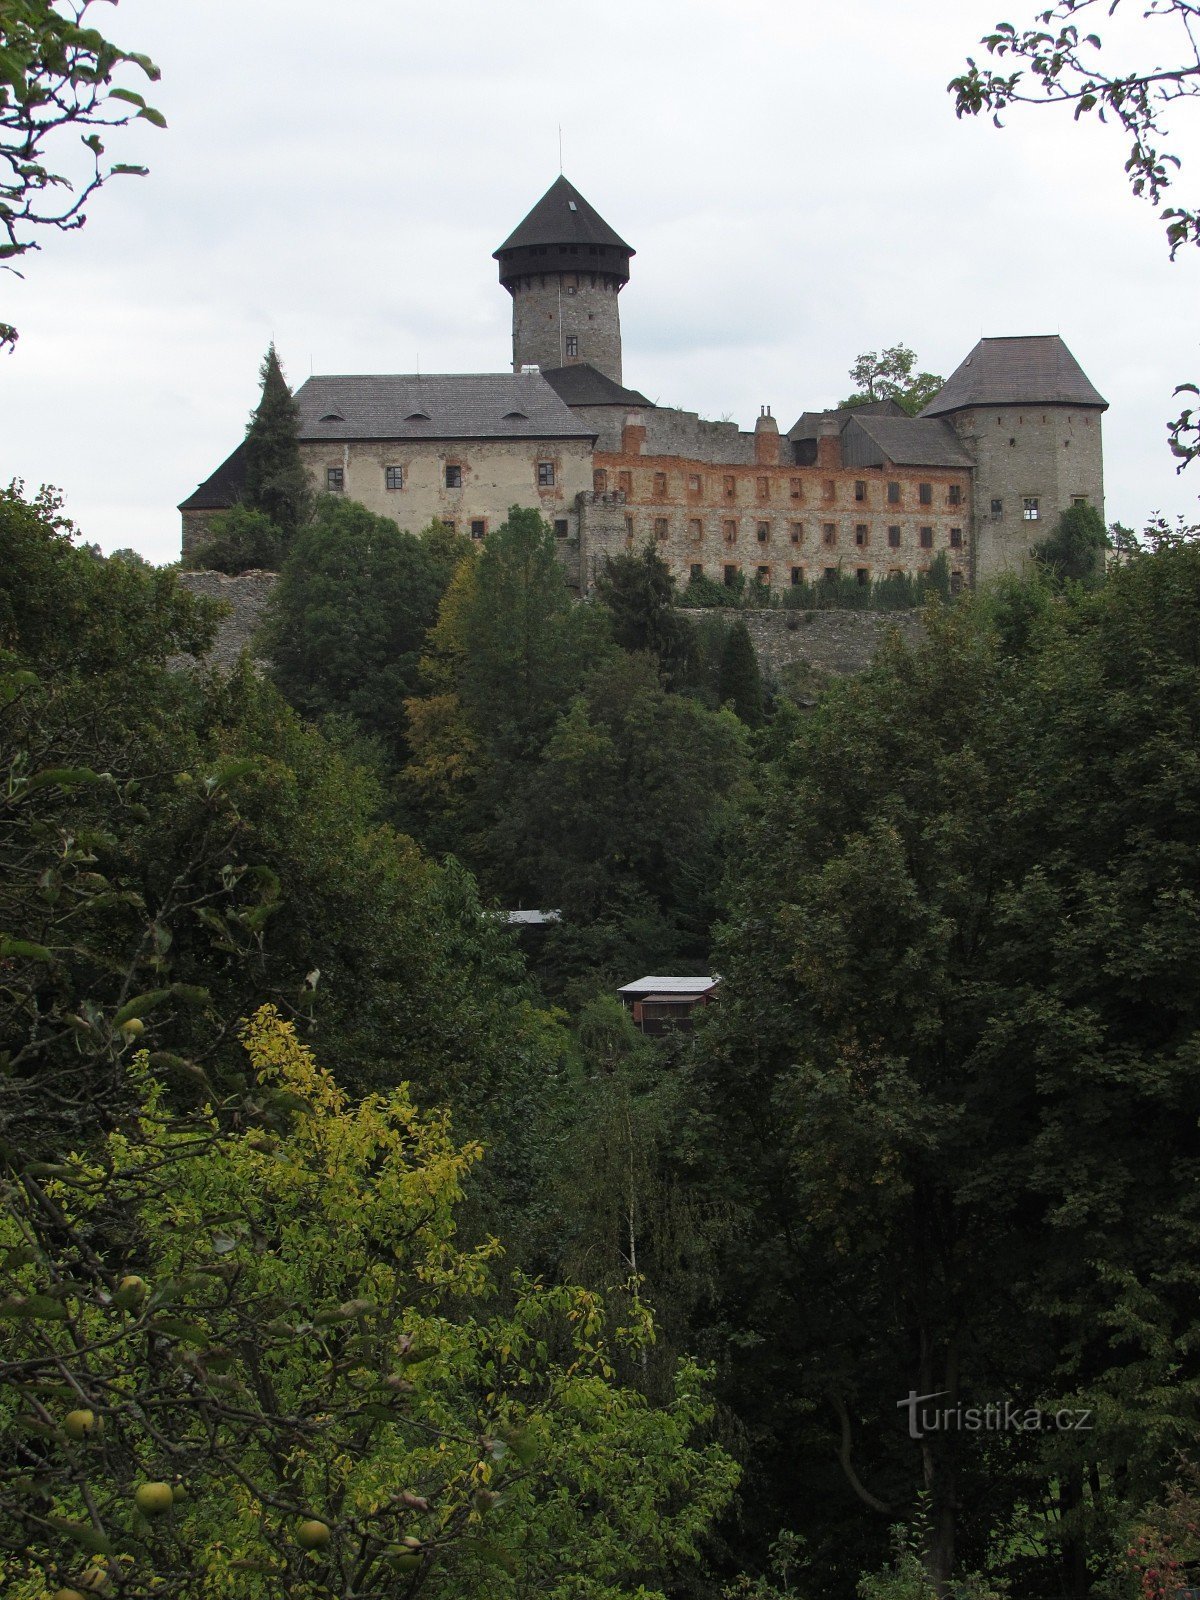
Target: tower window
(335, 480)
(1029, 508)
(997, 508)
(926, 538)
(545, 474)
(453, 476)
(393, 477)
(572, 346)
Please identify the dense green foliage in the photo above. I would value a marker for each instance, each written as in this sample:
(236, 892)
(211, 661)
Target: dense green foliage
(639, 593)
(890, 375)
(239, 540)
(1074, 551)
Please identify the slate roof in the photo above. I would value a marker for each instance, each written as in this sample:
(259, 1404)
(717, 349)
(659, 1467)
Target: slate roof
(458, 405)
(1029, 370)
(914, 441)
(806, 425)
(224, 488)
(584, 385)
(562, 216)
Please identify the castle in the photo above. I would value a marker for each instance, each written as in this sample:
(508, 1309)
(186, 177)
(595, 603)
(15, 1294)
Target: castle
(1012, 439)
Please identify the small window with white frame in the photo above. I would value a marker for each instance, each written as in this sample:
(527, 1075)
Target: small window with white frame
(1029, 508)
(545, 471)
(335, 480)
(572, 347)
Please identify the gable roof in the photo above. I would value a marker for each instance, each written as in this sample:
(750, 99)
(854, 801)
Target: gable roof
(584, 385)
(674, 986)
(906, 441)
(807, 424)
(224, 488)
(1033, 369)
(456, 405)
(562, 216)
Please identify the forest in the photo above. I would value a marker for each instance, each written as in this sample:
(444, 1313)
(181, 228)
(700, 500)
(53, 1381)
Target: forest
(356, 1243)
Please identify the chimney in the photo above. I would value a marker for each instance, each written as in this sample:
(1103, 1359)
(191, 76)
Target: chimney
(633, 434)
(766, 439)
(829, 444)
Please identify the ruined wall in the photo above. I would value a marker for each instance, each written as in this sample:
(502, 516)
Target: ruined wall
(246, 596)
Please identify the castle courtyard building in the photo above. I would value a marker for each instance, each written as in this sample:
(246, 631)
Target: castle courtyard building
(1011, 441)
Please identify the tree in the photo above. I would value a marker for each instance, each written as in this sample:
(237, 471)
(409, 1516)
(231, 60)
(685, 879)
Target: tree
(248, 1347)
(1074, 551)
(1066, 68)
(889, 375)
(639, 593)
(740, 682)
(239, 540)
(348, 618)
(276, 482)
(949, 1093)
(57, 73)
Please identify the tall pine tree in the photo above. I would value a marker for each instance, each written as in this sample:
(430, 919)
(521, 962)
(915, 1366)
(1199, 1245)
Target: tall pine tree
(276, 482)
(740, 681)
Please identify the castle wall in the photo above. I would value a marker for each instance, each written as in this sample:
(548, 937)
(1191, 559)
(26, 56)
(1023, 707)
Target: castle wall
(1050, 454)
(552, 308)
(782, 523)
(496, 474)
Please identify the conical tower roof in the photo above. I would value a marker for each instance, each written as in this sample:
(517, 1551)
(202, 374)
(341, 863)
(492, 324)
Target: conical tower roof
(562, 217)
(1030, 370)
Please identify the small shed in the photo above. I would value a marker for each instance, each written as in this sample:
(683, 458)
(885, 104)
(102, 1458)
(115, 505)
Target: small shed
(659, 1003)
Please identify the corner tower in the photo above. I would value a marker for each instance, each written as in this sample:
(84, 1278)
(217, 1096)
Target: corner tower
(564, 267)
(1029, 417)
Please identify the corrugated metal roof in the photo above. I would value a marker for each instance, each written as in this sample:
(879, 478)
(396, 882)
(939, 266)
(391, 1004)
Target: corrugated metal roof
(669, 986)
(1033, 369)
(562, 216)
(457, 405)
(584, 385)
(906, 442)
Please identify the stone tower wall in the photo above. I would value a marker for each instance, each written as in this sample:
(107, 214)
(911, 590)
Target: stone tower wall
(1051, 454)
(553, 307)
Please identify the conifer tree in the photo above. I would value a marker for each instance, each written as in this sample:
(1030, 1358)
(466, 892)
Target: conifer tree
(276, 482)
(740, 680)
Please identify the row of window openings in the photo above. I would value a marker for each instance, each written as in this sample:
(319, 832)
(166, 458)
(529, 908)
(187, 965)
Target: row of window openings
(763, 487)
(393, 477)
(478, 527)
(829, 533)
(862, 575)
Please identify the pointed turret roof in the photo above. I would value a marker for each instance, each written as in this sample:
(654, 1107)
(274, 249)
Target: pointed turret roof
(1034, 369)
(562, 217)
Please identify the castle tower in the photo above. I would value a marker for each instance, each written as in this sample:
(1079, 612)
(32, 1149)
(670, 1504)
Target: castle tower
(564, 267)
(1029, 417)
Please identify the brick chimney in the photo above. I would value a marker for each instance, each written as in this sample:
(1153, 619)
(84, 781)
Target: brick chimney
(829, 445)
(633, 434)
(766, 439)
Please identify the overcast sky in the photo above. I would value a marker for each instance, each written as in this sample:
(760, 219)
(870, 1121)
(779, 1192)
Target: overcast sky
(790, 173)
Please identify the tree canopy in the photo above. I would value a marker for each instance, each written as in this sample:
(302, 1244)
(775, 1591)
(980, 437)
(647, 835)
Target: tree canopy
(889, 375)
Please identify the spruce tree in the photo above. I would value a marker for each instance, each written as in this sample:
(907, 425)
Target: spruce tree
(276, 482)
(740, 682)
